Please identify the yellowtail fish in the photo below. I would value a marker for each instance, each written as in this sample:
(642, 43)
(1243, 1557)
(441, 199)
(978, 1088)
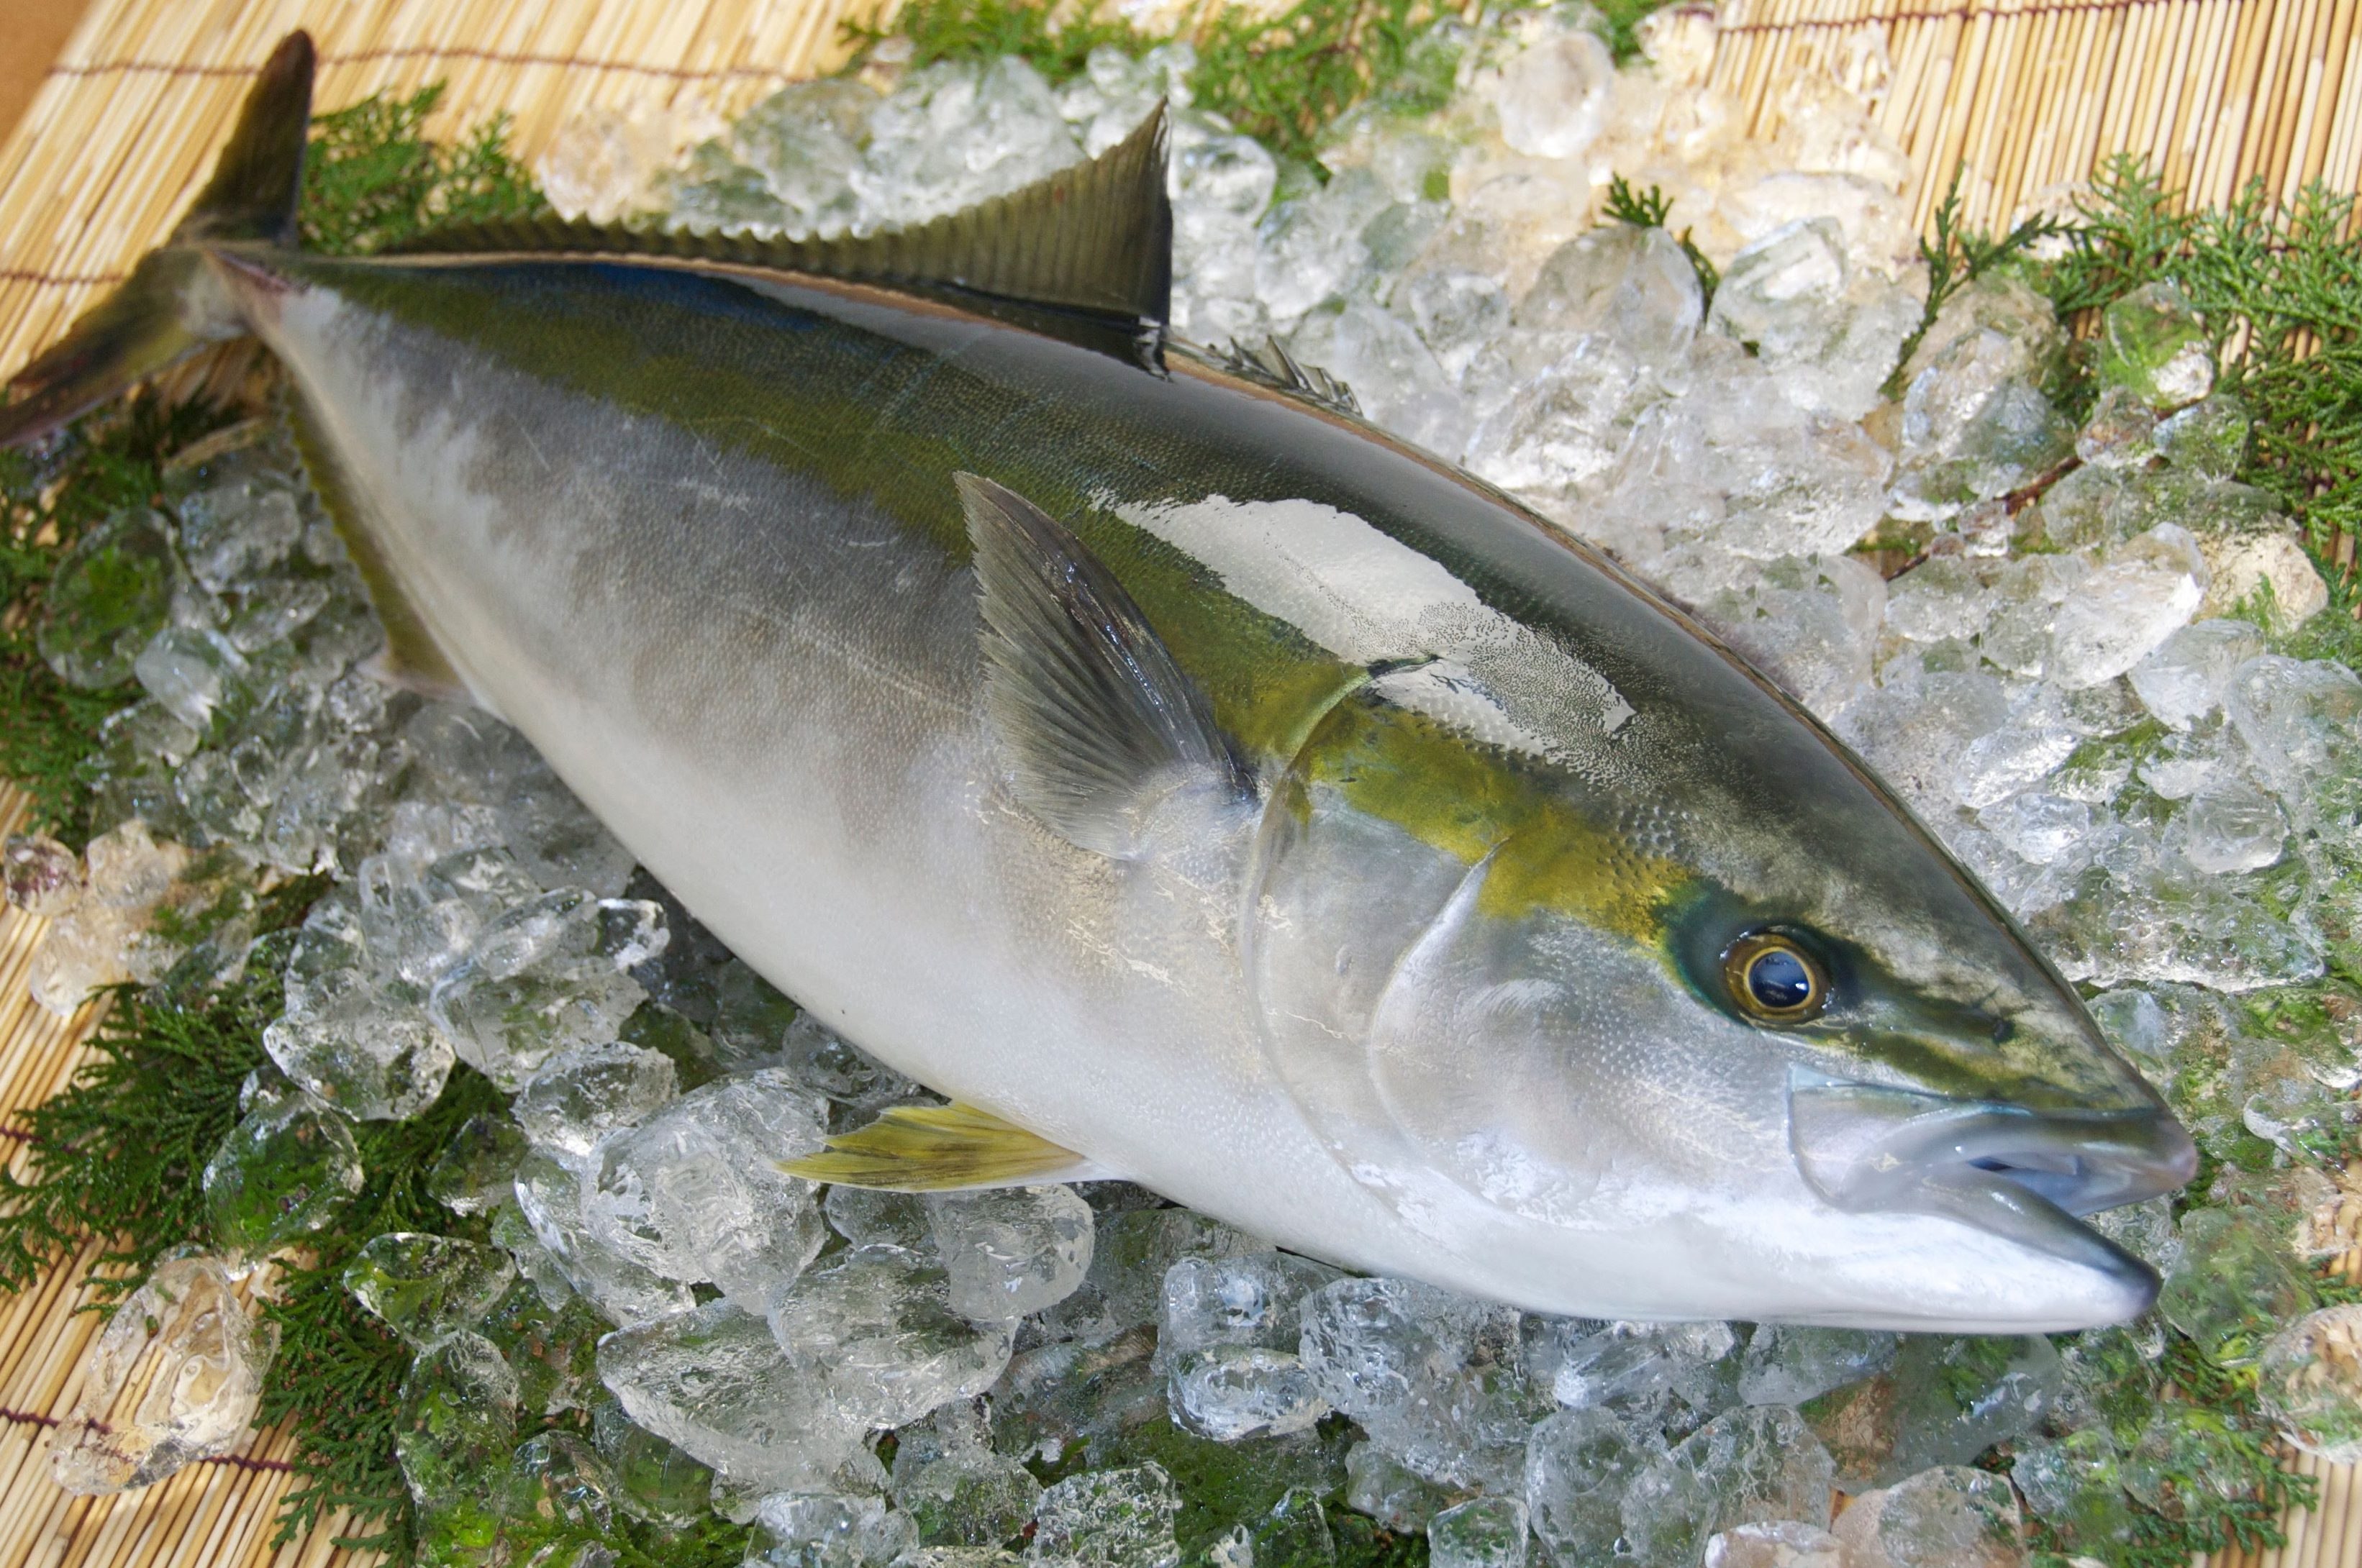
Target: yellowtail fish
(1195, 784)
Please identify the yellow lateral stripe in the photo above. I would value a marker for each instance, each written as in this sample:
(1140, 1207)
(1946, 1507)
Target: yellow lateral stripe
(934, 1149)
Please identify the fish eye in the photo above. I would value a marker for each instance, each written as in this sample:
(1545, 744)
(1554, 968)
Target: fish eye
(1774, 980)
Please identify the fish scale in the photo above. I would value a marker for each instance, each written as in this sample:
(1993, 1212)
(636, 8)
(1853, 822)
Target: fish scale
(1196, 783)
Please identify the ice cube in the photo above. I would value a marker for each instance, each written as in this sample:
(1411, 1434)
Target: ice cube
(552, 1349)
(1758, 1464)
(176, 1375)
(2209, 437)
(1431, 1377)
(1130, 1253)
(1579, 1464)
(714, 1381)
(2149, 587)
(477, 1170)
(1941, 598)
(877, 1339)
(2076, 1486)
(1243, 1300)
(1484, 1533)
(534, 985)
(1109, 1519)
(966, 1495)
(1564, 425)
(751, 1020)
(581, 1096)
(1774, 1544)
(421, 912)
(1011, 1252)
(189, 672)
(110, 595)
(459, 1420)
(2310, 1380)
(2298, 720)
(1553, 95)
(231, 533)
(1630, 1364)
(1953, 1399)
(2183, 679)
(1997, 765)
(1378, 1486)
(695, 1192)
(2119, 433)
(426, 1287)
(1975, 426)
(129, 869)
(865, 1216)
(1632, 284)
(1950, 1517)
(1914, 733)
(656, 1481)
(2230, 826)
(549, 1196)
(282, 1172)
(44, 878)
(1229, 1392)
(2153, 346)
(1782, 293)
(1457, 312)
(371, 1053)
(2236, 1272)
(827, 1530)
(1787, 1364)
(855, 1081)
(557, 839)
(560, 1478)
(1396, 381)
(1807, 621)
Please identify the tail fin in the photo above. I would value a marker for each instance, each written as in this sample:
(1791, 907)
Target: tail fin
(168, 308)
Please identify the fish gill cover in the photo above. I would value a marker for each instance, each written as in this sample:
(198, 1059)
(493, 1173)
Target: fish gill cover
(398, 1024)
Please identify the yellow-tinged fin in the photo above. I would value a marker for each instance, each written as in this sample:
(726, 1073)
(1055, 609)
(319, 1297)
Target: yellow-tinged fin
(411, 659)
(171, 306)
(939, 1148)
(1096, 238)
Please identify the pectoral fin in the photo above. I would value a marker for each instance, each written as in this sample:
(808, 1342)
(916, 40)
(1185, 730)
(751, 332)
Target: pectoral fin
(940, 1148)
(1093, 711)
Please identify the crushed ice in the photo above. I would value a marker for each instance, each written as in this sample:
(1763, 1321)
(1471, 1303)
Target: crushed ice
(2059, 687)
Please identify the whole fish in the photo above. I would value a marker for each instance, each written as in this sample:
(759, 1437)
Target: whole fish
(1195, 784)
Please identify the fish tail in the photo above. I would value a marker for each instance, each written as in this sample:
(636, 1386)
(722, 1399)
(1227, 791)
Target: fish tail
(173, 304)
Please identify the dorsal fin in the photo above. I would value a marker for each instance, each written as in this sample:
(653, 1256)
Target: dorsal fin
(1095, 238)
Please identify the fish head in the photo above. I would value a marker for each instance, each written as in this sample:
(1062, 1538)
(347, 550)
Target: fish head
(1690, 1019)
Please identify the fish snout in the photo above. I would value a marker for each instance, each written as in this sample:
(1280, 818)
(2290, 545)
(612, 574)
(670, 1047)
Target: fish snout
(2022, 1174)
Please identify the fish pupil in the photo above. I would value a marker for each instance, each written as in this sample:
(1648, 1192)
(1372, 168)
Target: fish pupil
(1778, 980)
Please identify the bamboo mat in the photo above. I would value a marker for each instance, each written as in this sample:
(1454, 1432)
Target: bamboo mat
(2025, 93)
(2029, 94)
(219, 1513)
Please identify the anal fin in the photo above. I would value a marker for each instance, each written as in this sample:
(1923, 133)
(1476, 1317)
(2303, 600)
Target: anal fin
(412, 659)
(940, 1148)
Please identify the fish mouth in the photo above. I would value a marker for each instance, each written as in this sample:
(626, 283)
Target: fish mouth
(2020, 1174)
